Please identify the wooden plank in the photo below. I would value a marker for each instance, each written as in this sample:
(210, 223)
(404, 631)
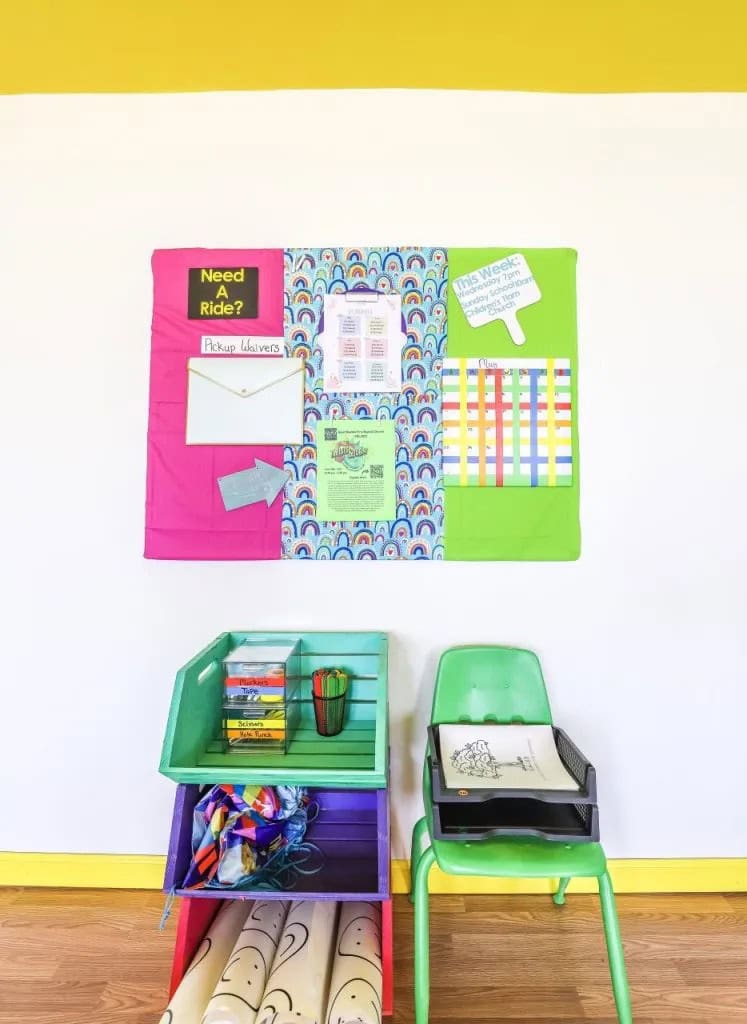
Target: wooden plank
(292, 760)
(382, 712)
(108, 962)
(357, 664)
(359, 688)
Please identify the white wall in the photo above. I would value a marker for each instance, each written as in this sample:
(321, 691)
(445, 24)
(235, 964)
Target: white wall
(643, 640)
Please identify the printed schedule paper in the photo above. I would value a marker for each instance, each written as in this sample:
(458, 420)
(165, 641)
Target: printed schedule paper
(487, 756)
(362, 342)
(355, 471)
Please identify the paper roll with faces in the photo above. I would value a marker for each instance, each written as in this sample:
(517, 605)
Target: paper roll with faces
(355, 987)
(291, 1018)
(299, 981)
(190, 999)
(238, 994)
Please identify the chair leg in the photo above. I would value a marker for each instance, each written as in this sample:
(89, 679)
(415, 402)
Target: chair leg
(422, 936)
(615, 950)
(419, 833)
(559, 897)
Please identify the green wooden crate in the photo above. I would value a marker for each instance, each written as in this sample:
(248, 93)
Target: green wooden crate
(193, 750)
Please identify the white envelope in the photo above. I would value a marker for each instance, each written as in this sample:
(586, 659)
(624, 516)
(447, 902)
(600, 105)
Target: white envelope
(245, 401)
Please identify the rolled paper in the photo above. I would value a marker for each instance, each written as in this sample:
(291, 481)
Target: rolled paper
(299, 981)
(190, 999)
(240, 988)
(355, 987)
(291, 1018)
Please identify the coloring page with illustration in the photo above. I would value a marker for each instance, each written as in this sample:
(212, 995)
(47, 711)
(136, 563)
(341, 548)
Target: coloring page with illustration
(489, 756)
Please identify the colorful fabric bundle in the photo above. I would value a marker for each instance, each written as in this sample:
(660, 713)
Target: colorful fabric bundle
(242, 835)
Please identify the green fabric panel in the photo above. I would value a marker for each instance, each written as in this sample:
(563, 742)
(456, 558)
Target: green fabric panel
(518, 523)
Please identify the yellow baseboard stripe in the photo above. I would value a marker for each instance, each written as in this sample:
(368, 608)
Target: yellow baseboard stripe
(144, 871)
(721, 874)
(83, 870)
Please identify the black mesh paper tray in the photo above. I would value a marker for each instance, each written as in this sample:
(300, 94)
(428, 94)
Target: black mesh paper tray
(579, 767)
(501, 817)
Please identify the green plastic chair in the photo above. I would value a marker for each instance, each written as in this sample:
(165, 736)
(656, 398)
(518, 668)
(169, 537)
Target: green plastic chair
(501, 684)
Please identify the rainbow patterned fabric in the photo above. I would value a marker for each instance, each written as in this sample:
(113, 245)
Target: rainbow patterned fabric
(507, 422)
(420, 276)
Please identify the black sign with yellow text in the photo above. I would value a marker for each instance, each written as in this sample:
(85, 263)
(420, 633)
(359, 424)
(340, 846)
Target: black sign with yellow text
(222, 293)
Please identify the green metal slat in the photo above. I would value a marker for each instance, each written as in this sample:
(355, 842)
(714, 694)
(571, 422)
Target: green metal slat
(307, 726)
(311, 748)
(310, 744)
(280, 760)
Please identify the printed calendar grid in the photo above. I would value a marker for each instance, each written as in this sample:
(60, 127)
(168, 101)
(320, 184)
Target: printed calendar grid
(504, 426)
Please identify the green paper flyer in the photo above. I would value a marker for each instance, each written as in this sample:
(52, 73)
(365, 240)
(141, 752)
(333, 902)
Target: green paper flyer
(355, 470)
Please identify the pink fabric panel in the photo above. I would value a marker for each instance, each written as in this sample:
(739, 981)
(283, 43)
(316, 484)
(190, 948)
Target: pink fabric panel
(184, 514)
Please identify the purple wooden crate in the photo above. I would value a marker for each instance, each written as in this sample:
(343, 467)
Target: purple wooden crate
(351, 831)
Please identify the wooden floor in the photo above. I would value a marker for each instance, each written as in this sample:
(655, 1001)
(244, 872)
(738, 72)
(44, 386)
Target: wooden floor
(74, 957)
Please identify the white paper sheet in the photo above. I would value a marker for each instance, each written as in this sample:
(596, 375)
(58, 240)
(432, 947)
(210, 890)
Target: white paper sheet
(240, 345)
(362, 342)
(491, 756)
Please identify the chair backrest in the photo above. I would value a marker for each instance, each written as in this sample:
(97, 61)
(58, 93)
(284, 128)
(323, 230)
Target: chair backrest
(498, 684)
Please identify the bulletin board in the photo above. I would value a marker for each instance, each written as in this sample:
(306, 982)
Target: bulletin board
(510, 523)
(363, 403)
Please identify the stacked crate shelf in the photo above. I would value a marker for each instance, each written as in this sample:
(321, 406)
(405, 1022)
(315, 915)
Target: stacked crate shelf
(347, 776)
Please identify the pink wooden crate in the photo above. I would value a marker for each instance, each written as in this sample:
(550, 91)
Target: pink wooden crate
(196, 915)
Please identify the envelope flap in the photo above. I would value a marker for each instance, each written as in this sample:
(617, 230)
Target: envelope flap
(244, 375)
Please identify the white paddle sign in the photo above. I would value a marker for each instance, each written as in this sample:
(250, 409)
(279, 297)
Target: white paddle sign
(496, 292)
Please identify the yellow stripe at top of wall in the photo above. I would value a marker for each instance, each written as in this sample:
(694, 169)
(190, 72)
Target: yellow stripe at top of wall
(49, 46)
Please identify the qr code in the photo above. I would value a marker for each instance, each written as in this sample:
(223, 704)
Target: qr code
(377, 472)
(330, 433)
